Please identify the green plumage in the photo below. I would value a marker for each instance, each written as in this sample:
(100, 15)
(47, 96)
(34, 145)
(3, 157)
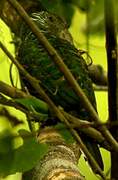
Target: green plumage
(33, 56)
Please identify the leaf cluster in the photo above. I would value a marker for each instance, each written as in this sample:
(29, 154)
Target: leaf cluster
(22, 158)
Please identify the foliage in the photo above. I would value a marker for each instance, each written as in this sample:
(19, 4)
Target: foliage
(35, 106)
(26, 156)
(6, 152)
(33, 103)
(23, 158)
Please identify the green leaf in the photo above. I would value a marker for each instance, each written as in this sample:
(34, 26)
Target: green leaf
(23, 158)
(6, 162)
(33, 103)
(6, 153)
(65, 133)
(36, 106)
(27, 156)
(6, 141)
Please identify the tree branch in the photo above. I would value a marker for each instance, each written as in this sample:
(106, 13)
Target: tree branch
(61, 160)
(87, 129)
(10, 102)
(11, 91)
(82, 125)
(112, 61)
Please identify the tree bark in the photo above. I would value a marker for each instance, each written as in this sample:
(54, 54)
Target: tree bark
(59, 163)
(112, 57)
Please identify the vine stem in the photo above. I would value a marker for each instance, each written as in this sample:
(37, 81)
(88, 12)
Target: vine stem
(68, 75)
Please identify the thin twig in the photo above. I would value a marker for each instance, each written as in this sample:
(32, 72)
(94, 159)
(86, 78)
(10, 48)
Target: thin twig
(87, 129)
(82, 125)
(12, 92)
(35, 84)
(68, 75)
(10, 102)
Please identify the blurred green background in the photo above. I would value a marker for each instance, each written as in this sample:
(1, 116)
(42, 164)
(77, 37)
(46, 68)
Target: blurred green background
(98, 54)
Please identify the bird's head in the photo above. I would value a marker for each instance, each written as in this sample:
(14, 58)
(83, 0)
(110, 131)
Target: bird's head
(52, 24)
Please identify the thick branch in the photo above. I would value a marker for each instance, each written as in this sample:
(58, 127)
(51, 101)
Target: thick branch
(68, 75)
(112, 59)
(59, 163)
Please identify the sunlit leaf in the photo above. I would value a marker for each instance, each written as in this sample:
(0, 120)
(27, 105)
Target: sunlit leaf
(33, 103)
(27, 156)
(36, 106)
(23, 158)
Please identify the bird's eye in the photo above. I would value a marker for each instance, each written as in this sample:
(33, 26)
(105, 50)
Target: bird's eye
(51, 19)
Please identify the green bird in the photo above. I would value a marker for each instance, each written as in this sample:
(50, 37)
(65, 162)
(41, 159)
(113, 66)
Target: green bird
(33, 56)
